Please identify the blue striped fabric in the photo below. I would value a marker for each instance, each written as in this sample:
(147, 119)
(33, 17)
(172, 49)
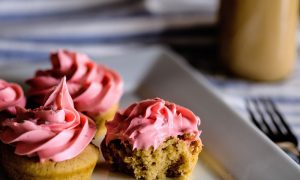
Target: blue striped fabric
(110, 27)
(286, 94)
(29, 29)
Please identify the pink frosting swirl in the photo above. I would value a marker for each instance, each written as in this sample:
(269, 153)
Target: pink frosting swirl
(55, 131)
(94, 88)
(150, 122)
(11, 95)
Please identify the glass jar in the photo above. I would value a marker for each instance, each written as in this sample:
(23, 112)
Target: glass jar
(258, 37)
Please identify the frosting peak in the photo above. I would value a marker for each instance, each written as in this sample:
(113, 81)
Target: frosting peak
(60, 97)
(11, 95)
(94, 88)
(55, 131)
(150, 122)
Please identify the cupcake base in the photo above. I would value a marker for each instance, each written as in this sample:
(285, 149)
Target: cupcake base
(101, 119)
(173, 158)
(25, 168)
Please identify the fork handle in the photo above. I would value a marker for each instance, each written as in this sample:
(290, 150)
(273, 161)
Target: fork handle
(291, 150)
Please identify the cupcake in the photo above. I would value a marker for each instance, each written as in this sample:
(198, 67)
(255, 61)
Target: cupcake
(153, 139)
(95, 89)
(11, 95)
(49, 142)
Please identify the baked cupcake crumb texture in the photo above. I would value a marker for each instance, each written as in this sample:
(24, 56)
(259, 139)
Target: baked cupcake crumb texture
(153, 139)
(173, 158)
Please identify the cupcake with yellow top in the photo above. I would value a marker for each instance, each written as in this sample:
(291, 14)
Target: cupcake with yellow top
(49, 142)
(152, 139)
(95, 89)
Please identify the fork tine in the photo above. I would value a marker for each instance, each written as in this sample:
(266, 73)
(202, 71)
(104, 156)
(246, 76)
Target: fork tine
(270, 113)
(262, 117)
(280, 117)
(259, 122)
(253, 119)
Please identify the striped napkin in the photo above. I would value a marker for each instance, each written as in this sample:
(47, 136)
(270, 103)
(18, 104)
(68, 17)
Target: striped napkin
(32, 28)
(286, 95)
(108, 26)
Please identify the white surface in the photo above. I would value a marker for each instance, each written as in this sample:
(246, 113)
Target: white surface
(99, 29)
(32, 7)
(179, 6)
(237, 145)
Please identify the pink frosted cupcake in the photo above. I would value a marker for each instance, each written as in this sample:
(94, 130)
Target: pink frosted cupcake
(11, 95)
(49, 142)
(152, 139)
(95, 89)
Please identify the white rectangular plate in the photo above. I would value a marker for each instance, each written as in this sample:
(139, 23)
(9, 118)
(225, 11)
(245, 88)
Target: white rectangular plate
(233, 148)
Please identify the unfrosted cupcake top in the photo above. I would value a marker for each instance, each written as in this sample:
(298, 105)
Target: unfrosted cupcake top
(11, 95)
(55, 131)
(150, 122)
(93, 87)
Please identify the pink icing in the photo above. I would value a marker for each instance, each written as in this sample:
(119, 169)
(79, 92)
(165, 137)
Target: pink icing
(94, 88)
(11, 95)
(55, 131)
(150, 122)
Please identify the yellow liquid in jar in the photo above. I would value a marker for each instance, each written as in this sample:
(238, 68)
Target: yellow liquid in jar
(258, 37)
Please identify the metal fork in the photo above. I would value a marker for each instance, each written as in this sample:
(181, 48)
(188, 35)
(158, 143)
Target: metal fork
(266, 116)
